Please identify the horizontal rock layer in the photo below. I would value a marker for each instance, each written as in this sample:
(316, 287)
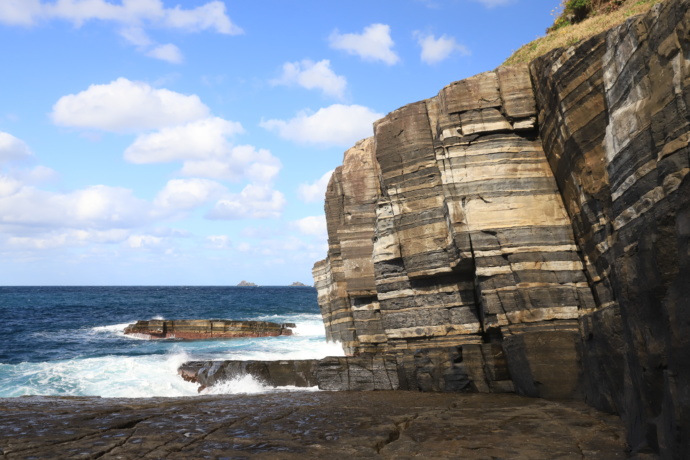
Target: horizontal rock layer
(200, 329)
(534, 215)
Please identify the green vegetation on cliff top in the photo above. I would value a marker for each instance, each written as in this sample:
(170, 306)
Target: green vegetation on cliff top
(577, 20)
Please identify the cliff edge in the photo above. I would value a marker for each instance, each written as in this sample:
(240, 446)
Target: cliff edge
(527, 230)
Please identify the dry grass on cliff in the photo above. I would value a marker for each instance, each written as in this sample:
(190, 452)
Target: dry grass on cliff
(571, 34)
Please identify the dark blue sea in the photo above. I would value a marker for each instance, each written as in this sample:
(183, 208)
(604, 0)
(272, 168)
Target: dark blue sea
(70, 340)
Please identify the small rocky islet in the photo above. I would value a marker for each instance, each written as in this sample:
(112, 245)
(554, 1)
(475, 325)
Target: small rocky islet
(200, 329)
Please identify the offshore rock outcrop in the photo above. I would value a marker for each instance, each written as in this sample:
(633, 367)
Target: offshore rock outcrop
(290, 372)
(200, 329)
(527, 229)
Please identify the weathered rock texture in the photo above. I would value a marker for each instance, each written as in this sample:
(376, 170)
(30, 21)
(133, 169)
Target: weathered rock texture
(199, 329)
(283, 373)
(311, 425)
(528, 228)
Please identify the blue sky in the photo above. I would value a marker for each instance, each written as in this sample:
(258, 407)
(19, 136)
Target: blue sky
(163, 142)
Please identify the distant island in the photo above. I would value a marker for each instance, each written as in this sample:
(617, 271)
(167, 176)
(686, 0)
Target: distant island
(297, 283)
(246, 283)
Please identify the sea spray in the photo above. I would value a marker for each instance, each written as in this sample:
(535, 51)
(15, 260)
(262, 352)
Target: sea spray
(75, 345)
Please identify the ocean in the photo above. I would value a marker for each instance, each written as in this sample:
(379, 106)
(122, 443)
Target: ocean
(61, 341)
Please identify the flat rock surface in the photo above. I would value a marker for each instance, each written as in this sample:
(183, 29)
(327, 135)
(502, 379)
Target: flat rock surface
(299, 425)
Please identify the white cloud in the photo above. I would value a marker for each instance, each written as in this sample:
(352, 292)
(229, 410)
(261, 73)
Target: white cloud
(136, 36)
(243, 161)
(253, 202)
(144, 241)
(95, 207)
(313, 75)
(186, 194)
(336, 125)
(131, 15)
(206, 150)
(435, 50)
(169, 53)
(204, 138)
(209, 16)
(126, 106)
(373, 44)
(312, 225)
(219, 241)
(19, 12)
(316, 191)
(12, 149)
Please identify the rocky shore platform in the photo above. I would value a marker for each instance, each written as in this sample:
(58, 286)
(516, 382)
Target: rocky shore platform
(202, 329)
(314, 425)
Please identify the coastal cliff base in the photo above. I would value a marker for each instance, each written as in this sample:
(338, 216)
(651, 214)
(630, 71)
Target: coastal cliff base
(316, 425)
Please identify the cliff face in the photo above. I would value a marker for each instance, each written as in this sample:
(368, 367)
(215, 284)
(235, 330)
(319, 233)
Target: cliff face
(528, 229)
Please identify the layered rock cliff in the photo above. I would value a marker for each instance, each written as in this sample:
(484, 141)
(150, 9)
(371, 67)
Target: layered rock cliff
(527, 229)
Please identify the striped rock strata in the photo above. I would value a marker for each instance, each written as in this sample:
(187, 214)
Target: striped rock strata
(447, 229)
(200, 329)
(615, 125)
(528, 228)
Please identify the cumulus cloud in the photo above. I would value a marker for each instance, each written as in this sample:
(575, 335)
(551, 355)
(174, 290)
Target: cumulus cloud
(206, 149)
(186, 194)
(316, 191)
(336, 125)
(12, 149)
(209, 16)
(129, 15)
(95, 207)
(435, 50)
(313, 75)
(312, 226)
(199, 139)
(169, 53)
(243, 161)
(126, 106)
(373, 44)
(253, 202)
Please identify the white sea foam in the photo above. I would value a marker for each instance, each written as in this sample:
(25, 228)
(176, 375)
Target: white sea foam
(155, 373)
(248, 384)
(114, 329)
(109, 376)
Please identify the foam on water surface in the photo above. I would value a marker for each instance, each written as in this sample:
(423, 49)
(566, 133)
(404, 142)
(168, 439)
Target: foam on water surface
(149, 368)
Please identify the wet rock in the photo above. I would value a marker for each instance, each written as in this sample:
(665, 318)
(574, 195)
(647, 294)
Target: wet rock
(281, 373)
(199, 329)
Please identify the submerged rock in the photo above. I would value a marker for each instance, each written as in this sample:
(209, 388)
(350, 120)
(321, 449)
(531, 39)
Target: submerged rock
(200, 329)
